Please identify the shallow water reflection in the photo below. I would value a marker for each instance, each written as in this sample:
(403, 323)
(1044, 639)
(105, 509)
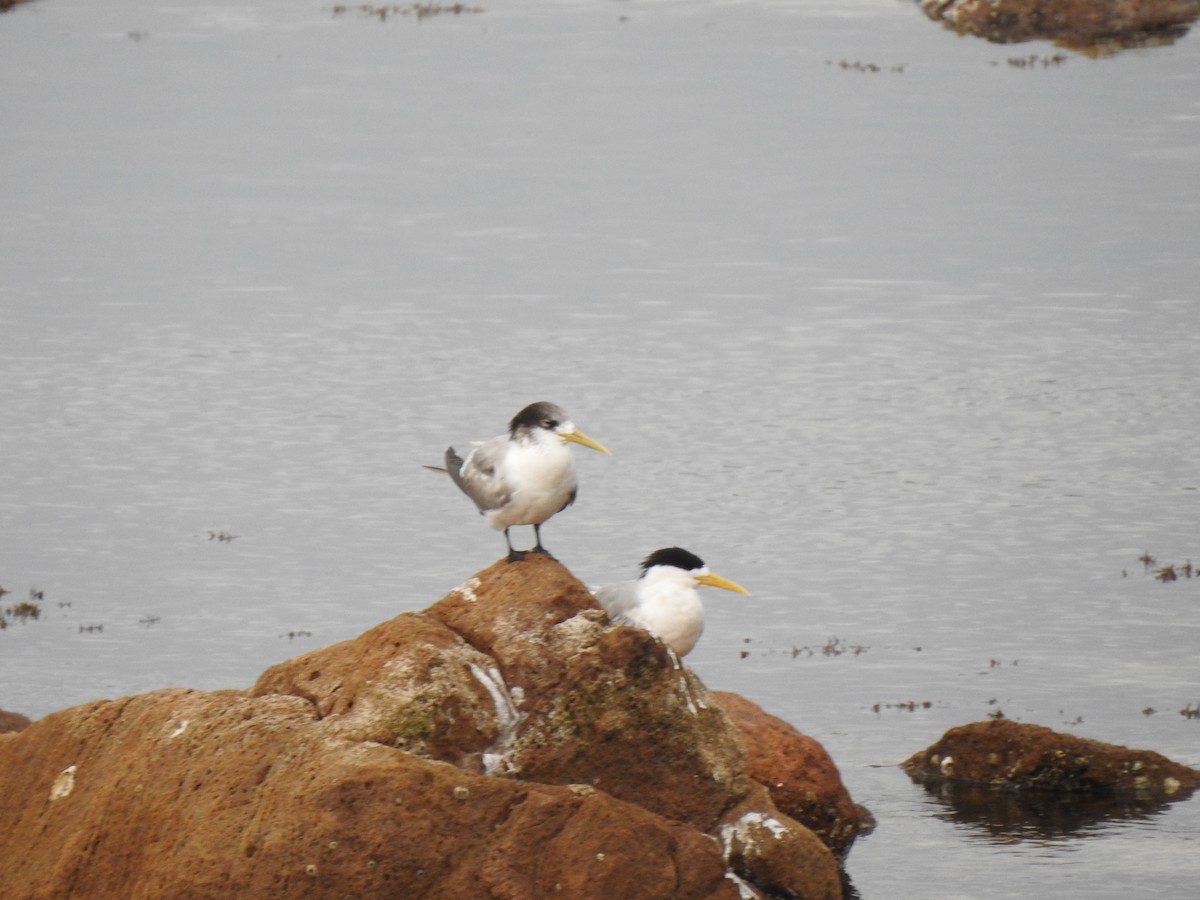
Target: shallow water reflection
(1006, 816)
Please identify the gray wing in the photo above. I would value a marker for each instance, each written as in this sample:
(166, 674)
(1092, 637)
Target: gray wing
(477, 476)
(620, 602)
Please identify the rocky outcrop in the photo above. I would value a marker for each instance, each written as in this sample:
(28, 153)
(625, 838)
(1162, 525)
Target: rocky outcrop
(506, 742)
(801, 777)
(1014, 756)
(11, 721)
(186, 794)
(1092, 26)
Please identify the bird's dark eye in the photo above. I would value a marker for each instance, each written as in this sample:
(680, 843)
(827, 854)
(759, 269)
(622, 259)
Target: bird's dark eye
(551, 424)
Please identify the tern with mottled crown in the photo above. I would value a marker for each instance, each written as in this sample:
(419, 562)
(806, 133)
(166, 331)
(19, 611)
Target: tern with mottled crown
(523, 477)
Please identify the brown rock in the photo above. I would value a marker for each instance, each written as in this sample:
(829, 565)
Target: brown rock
(506, 742)
(11, 721)
(185, 794)
(1096, 26)
(802, 778)
(767, 849)
(1005, 754)
(517, 672)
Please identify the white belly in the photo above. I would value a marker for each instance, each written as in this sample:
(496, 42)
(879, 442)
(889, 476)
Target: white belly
(678, 621)
(541, 481)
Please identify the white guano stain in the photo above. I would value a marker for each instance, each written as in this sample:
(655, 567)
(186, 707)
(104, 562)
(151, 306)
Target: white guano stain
(63, 784)
(466, 590)
(745, 891)
(508, 717)
(746, 832)
(687, 696)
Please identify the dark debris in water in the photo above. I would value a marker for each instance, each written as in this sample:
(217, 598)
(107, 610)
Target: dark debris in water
(1169, 572)
(834, 646)
(1034, 61)
(872, 68)
(23, 611)
(418, 11)
(908, 705)
(1174, 573)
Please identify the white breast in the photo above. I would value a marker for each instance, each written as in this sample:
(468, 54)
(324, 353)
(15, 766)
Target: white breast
(670, 607)
(540, 476)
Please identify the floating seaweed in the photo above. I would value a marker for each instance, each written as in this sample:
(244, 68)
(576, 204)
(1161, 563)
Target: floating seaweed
(907, 705)
(1169, 572)
(418, 11)
(872, 68)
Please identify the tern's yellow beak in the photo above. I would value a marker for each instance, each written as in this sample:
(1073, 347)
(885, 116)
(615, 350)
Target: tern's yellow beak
(714, 580)
(578, 437)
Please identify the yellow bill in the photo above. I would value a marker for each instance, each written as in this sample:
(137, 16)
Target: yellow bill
(714, 580)
(578, 437)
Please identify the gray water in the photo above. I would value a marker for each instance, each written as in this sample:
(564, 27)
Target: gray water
(910, 353)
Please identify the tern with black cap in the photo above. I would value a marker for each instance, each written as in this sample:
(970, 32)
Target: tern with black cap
(664, 600)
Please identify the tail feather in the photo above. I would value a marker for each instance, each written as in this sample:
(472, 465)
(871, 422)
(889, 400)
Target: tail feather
(454, 468)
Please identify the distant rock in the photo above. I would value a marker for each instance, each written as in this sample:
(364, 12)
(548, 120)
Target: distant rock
(11, 721)
(1091, 26)
(1010, 755)
(506, 742)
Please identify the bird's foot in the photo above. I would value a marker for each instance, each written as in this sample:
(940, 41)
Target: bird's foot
(542, 551)
(517, 555)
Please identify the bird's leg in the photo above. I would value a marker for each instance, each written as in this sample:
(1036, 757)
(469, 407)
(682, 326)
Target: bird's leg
(537, 546)
(513, 555)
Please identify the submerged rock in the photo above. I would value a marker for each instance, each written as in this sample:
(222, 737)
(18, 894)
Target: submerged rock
(1091, 26)
(506, 742)
(1014, 756)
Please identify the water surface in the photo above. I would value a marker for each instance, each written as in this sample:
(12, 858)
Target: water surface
(909, 353)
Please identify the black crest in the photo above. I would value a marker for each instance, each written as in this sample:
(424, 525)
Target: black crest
(673, 556)
(537, 415)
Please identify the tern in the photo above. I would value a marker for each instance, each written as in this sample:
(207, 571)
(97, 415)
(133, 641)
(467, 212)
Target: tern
(523, 477)
(664, 600)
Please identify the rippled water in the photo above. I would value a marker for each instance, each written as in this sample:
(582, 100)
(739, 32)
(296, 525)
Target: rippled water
(909, 353)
